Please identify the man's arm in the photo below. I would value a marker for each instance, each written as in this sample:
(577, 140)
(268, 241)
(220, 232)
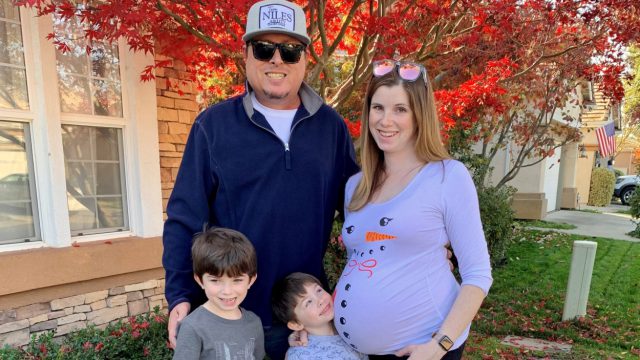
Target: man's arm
(187, 212)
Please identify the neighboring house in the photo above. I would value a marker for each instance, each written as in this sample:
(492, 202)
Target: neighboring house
(548, 185)
(597, 112)
(88, 156)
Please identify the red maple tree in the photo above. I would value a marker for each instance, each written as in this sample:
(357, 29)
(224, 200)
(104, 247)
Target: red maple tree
(502, 69)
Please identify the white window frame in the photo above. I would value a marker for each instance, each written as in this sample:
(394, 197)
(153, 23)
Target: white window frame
(139, 140)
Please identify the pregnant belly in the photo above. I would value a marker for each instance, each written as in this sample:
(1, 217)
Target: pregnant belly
(381, 313)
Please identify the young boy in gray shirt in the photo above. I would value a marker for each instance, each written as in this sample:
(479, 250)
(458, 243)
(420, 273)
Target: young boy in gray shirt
(225, 266)
(300, 302)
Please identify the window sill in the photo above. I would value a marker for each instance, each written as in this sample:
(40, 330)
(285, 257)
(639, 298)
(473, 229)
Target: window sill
(33, 269)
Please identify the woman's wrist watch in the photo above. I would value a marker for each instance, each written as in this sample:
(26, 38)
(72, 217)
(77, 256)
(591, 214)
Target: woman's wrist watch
(444, 341)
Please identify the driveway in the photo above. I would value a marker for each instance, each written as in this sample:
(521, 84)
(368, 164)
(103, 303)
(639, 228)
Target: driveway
(608, 223)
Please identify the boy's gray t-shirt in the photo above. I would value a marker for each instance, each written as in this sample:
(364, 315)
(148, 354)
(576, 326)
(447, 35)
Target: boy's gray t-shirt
(324, 347)
(205, 335)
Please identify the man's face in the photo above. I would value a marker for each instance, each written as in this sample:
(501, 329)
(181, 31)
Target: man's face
(275, 83)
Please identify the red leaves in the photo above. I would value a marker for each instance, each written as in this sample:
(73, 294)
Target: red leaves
(490, 57)
(354, 127)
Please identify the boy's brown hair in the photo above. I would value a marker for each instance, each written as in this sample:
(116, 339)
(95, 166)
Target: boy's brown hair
(287, 293)
(221, 251)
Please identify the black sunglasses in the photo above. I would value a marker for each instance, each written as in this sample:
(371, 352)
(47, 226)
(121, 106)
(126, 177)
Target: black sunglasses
(289, 53)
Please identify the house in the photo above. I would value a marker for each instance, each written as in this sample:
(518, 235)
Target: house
(88, 156)
(550, 183)
(597, 112)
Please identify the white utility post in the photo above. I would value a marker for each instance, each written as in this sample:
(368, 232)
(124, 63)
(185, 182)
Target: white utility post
(582, 260)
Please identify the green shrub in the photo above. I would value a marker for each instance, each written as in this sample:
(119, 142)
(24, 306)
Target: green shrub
(602, 183)
(634, 210)
(497, 220)
(140, 337)
(618, 173)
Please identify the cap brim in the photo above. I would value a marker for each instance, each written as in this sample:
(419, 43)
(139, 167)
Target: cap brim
(303, 39)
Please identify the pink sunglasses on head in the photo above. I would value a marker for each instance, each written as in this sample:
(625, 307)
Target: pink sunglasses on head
(408, 71)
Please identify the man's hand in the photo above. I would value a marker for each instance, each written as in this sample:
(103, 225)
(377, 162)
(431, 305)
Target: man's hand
(176, 315)
(449, 256)
(299, 338)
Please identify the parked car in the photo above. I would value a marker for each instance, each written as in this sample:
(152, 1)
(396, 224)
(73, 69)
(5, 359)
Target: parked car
(14, 187)
(625, 186)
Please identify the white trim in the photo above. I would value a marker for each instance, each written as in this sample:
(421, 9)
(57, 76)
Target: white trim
(103, 236)
(47, 139)
(22, 246)
(142, 147)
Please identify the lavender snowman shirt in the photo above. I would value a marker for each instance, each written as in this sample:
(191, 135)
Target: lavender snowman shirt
(396, 288)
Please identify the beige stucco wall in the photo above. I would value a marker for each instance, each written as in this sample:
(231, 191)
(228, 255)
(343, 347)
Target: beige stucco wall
(625, 162)
(583, 176)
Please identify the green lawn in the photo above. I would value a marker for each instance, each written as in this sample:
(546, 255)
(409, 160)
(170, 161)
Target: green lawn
(547, 224)
(527, 299)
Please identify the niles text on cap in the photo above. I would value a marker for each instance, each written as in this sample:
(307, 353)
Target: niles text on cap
(274, 18)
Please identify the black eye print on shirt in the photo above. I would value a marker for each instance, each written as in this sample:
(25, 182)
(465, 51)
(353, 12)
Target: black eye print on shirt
(343, 321)
(343, 303)
(346, 334)
(353, 346)
(347, 287)
(385, 221)
(350, 229)
(370, 251)
(382, 248)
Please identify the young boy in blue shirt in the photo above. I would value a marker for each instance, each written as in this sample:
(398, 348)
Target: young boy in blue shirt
(225, 266)
(300, 302)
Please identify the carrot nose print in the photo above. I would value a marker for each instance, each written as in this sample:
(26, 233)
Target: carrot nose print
(373, 236)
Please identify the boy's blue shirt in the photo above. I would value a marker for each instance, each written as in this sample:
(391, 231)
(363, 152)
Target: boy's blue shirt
(237, 173)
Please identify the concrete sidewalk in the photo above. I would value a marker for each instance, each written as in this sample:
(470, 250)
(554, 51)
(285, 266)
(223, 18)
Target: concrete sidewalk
(608, 223)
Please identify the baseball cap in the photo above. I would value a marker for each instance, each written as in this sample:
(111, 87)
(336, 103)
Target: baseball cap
(276, 16)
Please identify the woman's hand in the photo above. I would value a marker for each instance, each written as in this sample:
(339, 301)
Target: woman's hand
(427, 351)
(299, 338)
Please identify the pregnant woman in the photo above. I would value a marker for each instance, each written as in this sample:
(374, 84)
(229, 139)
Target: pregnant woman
(396, 295)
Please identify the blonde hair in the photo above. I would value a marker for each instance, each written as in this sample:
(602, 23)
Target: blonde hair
(428, 145)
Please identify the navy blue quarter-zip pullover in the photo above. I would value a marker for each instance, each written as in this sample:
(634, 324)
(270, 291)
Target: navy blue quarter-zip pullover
(237, 173)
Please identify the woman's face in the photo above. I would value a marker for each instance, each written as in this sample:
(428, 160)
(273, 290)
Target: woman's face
(391, 120)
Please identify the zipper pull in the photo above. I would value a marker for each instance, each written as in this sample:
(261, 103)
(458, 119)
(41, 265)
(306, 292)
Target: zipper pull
(287, 157)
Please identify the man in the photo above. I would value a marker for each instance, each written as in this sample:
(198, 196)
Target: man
(271, 164)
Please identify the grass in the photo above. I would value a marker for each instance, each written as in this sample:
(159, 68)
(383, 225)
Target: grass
(628, 212)
(527, 299)
(547, 224)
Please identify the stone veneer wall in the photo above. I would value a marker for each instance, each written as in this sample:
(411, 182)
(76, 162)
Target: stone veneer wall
(76, 312)
(177, 109)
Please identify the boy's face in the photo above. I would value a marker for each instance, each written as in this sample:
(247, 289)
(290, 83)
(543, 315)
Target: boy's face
(314, 309)
(225, 293)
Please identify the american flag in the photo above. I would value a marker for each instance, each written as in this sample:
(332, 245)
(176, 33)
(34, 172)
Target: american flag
(606, 139)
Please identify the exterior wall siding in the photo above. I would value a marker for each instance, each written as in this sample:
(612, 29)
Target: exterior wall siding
(69, 314)
(177, 110)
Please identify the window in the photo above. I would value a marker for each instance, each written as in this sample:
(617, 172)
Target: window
(17, 221)
(587, 91)
(13, 92)
(88, 84)
(94, 178)
(78, 133)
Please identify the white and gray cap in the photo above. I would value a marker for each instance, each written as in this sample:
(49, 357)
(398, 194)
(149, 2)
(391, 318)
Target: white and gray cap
(276, 16)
